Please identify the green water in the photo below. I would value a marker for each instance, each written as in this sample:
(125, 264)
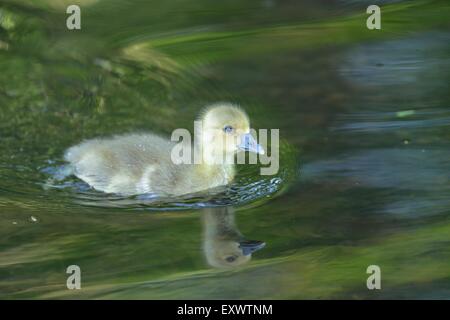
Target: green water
(364, 121)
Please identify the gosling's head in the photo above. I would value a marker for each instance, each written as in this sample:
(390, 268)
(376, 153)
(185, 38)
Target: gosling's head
(230, 253)
(226, 130)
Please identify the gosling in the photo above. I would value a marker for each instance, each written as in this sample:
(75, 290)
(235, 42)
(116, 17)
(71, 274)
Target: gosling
(136, 164)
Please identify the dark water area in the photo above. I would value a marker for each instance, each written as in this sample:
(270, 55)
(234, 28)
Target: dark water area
(364, 120)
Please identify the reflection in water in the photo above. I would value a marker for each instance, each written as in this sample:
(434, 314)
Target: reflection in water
(223, 245)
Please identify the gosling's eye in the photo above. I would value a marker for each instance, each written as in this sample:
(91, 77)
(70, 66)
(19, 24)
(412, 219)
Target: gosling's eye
(228, 129)
(230, 259)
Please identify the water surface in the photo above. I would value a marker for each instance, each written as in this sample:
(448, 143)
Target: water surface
(364, 122)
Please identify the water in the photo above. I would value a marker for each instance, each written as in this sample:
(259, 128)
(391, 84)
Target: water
(364, 121)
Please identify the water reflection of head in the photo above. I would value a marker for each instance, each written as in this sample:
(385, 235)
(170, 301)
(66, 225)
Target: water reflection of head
(223, 245)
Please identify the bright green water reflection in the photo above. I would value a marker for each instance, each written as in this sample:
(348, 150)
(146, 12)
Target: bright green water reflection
(364, 120)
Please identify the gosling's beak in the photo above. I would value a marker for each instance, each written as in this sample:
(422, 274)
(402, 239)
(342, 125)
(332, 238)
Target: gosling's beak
(250, 246)
(248, 143)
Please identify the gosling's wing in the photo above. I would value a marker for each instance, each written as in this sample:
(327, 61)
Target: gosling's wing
(94, 162)
(148, 159)
(122, 164)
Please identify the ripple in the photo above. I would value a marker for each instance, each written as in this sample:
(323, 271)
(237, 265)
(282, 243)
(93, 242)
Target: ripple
(387, 121)
(248, 187)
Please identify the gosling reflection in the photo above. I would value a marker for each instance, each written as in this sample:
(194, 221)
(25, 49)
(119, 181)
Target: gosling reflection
(223, 245)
